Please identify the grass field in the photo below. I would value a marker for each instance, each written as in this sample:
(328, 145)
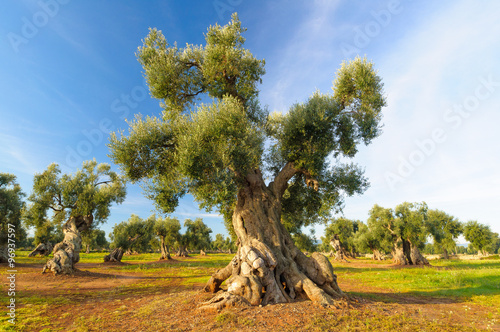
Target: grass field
(143, 294)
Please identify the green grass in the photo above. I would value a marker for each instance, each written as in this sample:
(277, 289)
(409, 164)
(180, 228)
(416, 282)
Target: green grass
(477, 281)
(468, 282)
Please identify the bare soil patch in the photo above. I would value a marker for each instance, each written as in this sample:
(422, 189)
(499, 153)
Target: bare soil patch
(103, 297)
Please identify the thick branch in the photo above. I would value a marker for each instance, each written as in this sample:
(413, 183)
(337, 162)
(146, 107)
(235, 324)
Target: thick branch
(281, 181)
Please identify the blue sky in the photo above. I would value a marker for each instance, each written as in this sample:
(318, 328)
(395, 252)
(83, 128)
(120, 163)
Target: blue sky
(69, 76)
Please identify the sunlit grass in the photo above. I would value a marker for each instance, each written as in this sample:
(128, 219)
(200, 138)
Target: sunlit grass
(467, 280)
(168, 283)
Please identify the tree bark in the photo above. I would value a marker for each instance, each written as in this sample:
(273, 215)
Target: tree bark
(67, 252)
(398, 255)
(43, 249)
(114, 256)
(268, 268)
(4, 253)
(416, 257)
(87, 251)
(406, 253)
(182, 252)
(340, 253)
(165, 252)
(445, 254)
(377, 256)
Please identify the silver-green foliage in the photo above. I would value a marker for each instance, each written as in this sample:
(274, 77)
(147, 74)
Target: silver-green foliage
(11, 205)
(89, 191)
(208, 149)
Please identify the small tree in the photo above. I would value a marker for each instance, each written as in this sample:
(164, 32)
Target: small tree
(219, 242)
(340, 233)
(405, 225)
(197, 234)
(374, 240)
(480, 236)
(167, 229)
(444, 229)
(94, 238)
(11, 205)
(83, 198)
(133, 235)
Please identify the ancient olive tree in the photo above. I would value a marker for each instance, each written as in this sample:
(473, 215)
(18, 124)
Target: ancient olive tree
(371, 238)
(217, 153)
(82, 199)
(11, 205)
(339, 233)
(167, 229)
(131, 236)
(406, 226)
(480, 236)
(444, 229)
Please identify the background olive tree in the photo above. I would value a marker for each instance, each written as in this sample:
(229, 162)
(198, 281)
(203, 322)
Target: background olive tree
(11, 205)
(77, 202)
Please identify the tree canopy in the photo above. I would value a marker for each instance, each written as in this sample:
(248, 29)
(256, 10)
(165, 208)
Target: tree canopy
(480, 236)
(133, 234)
(11, 205)
(209, 149)
(444, 229)
(405, 226)
(268, 173)
(89, 191)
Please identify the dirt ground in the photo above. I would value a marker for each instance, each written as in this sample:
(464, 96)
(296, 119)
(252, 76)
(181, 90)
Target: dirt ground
(100, 297)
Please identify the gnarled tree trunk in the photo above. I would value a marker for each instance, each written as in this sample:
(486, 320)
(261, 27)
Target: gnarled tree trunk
(114, 256)
(165, 252)
(42, 249)
(268, 267)
(340, 253)
(377, 256)
(416, 257)
(67, 252)
(182, 252)
(406, 253)
(445, 254)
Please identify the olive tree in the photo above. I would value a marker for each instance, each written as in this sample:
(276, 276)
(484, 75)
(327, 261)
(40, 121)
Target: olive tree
(168, 231)
(11, 205)
(78, 202)
(480, 237)
(95, 238)
(132, 235)
(374, 239)
(340, 234)
(444, 229)
(251, 166)
(406, 226)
